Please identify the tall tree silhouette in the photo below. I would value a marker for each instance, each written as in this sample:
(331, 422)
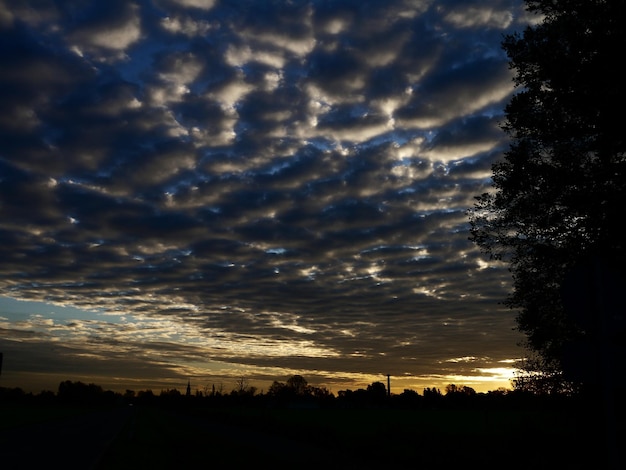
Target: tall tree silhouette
(558, 192)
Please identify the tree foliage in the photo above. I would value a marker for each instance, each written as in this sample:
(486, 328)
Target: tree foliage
(558, 192)
(298, 385)
(295, 387)
(377, 389)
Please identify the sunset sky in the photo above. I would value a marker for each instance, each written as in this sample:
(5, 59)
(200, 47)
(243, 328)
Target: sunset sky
(204, 190)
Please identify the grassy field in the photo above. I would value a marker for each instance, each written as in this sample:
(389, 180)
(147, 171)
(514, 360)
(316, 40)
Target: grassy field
(238, 437)
(18, 414)
(366, 438)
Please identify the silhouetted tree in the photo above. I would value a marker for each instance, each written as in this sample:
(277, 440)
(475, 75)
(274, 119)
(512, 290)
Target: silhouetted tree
(46, 396)
(298, 385)
(559, 191)
(432, 396)
(145, 396)
(171, 392)
(243, 388)
(459, 396)
(296, 388)
(431, 392)
(276, 389)
(15, 393)
(408, 398)
(241, 384)
(79, 392)
(460, 390)
(409, 394)
(321, 393)
(377, 391)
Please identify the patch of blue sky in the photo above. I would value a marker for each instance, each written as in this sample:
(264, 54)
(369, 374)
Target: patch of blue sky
(277, 168)
(393, 248)
(225, 264)
(399, 137)
(15, 309)
(276, 251)
(143, 54)
(322, 143)
(359, 110)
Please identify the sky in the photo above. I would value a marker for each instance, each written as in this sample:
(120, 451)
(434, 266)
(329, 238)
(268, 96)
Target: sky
(207, 190)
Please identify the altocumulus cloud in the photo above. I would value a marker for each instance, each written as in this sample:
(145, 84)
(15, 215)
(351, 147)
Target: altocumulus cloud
(253, 188)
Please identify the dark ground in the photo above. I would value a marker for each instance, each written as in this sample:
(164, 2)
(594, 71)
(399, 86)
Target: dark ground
(138, 437)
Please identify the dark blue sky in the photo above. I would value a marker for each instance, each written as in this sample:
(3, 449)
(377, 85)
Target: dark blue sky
(251, 188)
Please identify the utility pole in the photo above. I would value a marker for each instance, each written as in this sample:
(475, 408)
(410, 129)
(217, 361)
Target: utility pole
(388, 385)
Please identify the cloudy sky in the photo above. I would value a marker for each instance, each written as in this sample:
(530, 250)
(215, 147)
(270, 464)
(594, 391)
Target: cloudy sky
(206, 190)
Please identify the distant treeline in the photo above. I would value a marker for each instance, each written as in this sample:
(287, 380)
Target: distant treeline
(296, 392)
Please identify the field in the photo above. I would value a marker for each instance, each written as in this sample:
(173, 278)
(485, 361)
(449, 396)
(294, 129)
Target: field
(363, 438)
(150, 437)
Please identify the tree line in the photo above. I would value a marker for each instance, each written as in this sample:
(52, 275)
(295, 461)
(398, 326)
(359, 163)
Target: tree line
(295, 392)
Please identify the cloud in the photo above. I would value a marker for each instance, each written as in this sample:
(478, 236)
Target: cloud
(200, 4)
(477, 16)
(104, 31)
(272, 186)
